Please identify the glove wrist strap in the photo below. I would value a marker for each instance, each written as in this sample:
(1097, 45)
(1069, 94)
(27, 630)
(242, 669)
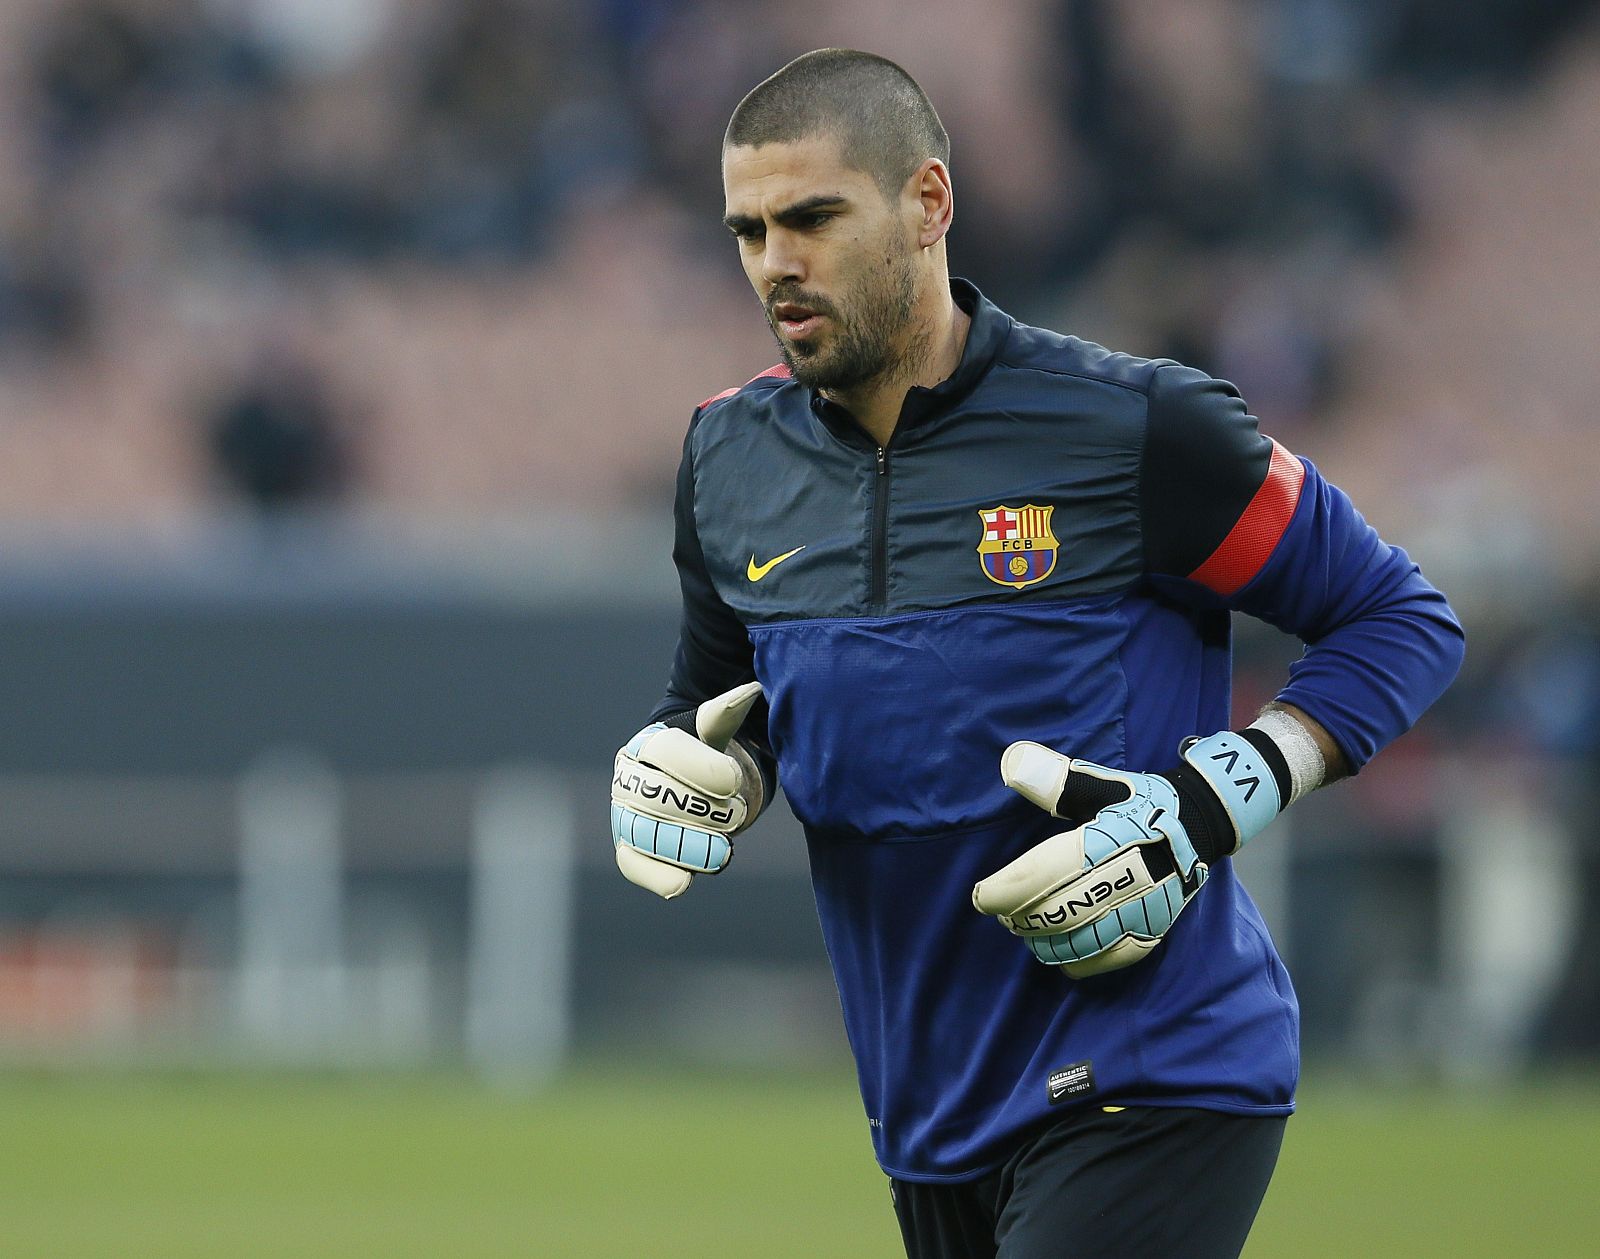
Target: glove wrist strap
(1247, 777)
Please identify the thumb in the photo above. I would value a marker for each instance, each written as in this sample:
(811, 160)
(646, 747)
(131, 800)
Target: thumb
(719, 718)
(1070, 789)
(1035, 773)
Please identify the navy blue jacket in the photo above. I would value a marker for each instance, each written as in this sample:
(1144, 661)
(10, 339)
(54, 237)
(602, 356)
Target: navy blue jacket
(1048, 549)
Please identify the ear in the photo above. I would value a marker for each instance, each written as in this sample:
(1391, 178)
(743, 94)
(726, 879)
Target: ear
(929, 186)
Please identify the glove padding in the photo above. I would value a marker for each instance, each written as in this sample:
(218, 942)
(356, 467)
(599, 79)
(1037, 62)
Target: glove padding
(1102, 896)
(677, 797)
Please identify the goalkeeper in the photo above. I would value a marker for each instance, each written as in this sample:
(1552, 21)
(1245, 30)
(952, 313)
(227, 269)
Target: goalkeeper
(964, 586)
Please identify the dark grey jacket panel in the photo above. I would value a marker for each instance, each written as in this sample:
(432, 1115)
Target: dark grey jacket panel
(1030, 418)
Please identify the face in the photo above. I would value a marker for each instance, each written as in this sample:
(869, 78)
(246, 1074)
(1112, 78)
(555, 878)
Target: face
(832, 260)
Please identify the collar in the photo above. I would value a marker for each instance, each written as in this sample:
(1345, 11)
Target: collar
(990, 328)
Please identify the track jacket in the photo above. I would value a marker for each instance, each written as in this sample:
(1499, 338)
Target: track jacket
(1048, 549)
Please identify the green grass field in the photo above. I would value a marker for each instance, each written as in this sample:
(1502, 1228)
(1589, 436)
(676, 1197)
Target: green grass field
(620, 1163)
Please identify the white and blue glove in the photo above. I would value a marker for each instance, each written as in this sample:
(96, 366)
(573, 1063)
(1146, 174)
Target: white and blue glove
(1102, 896)
(680, 791)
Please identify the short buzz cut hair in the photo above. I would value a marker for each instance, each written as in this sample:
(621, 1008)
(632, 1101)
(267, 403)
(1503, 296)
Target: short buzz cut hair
(885, 124)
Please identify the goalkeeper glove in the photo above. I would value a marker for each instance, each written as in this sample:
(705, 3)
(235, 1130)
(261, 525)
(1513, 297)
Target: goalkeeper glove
(679, 790)
(1101, 896)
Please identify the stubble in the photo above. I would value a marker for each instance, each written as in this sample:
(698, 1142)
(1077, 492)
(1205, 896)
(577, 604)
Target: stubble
(871, 317)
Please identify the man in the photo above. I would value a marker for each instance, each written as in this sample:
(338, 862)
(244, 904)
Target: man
(926, 560)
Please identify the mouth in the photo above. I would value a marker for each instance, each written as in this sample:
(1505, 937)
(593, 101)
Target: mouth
(796, 321)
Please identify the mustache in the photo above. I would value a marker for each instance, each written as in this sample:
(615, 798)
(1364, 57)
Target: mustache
(799, 297)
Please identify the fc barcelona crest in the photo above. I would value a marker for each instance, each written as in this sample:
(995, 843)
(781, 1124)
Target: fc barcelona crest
(1017, 547)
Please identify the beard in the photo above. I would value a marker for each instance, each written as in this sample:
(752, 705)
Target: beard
(860, 344)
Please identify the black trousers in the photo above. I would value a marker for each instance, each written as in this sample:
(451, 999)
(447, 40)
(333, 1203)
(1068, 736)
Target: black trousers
(1105, 1183)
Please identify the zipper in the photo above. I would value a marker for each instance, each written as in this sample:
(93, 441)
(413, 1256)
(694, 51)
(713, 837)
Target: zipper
(879, 541)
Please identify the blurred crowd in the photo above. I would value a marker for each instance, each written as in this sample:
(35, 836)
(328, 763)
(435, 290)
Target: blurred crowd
(461, 259)
(457, 257)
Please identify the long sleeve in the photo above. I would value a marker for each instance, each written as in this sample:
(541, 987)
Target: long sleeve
(1233, 518)
(714, 652)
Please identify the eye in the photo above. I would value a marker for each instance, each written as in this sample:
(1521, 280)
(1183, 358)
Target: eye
(809, 222)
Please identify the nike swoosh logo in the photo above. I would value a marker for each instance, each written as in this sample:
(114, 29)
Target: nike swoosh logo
(757, 571)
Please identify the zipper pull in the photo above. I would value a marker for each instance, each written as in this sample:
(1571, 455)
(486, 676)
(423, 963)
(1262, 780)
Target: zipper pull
(883, 461)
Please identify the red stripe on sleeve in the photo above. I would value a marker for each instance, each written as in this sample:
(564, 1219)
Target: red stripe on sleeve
(1256, 533)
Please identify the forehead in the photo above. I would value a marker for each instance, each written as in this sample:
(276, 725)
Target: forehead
(781, 173)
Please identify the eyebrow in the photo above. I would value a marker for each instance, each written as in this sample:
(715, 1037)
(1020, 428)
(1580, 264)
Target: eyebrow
(810, 205)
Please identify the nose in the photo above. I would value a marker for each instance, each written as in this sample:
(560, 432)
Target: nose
(781, 259)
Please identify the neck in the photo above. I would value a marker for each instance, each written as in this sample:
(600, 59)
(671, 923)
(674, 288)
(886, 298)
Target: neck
(935, 339)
